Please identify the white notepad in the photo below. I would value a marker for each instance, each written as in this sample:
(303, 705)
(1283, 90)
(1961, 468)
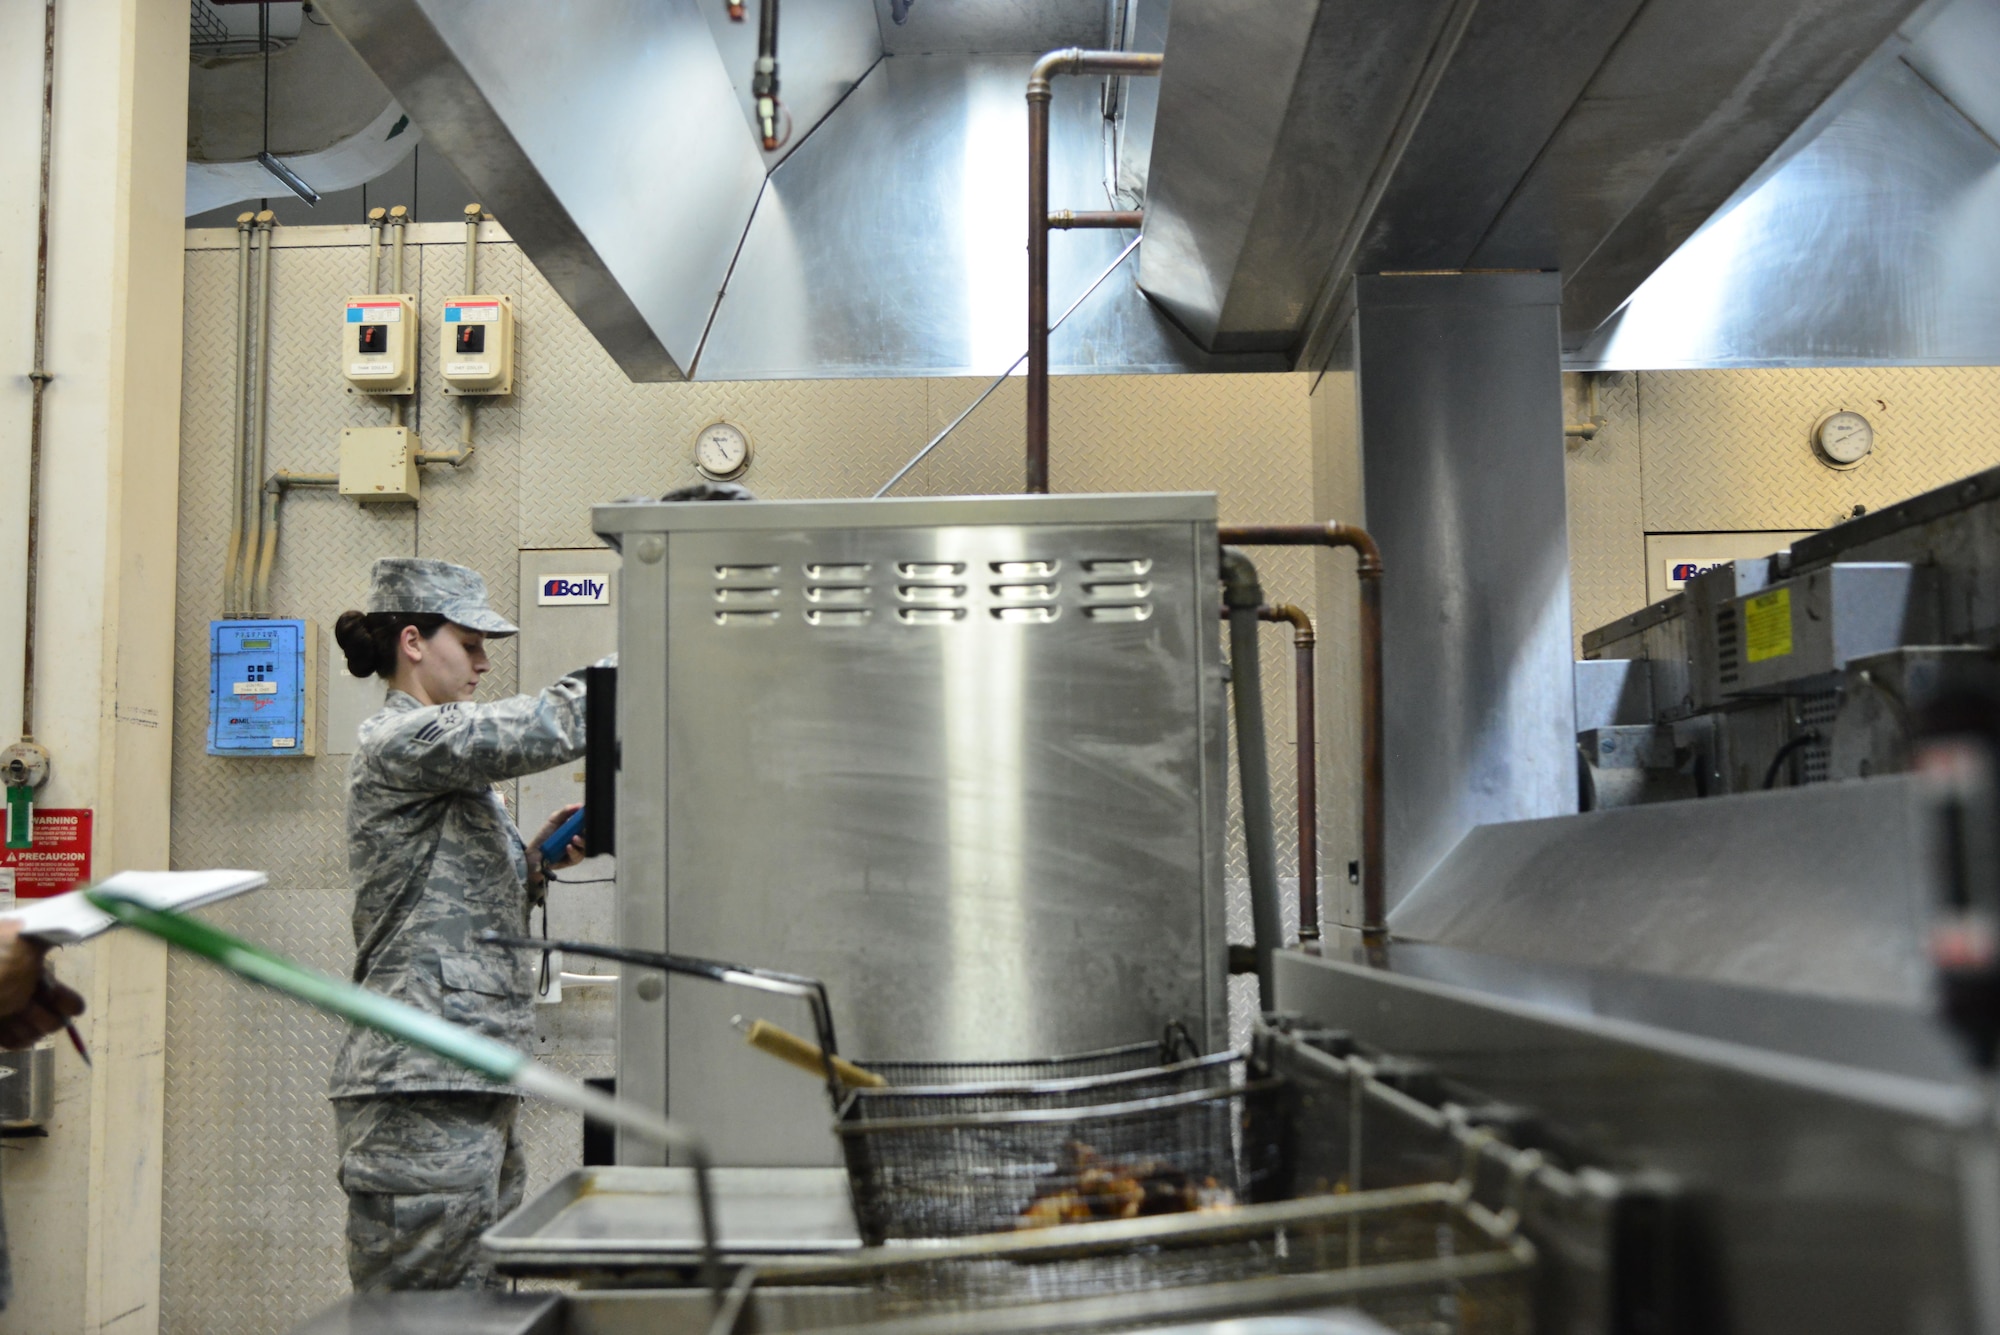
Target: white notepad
(65, 919)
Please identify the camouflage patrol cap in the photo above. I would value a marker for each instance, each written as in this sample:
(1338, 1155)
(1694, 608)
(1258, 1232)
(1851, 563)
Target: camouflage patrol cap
(414, 584)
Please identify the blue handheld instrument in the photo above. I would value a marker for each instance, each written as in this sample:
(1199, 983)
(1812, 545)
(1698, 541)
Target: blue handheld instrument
(556, 847)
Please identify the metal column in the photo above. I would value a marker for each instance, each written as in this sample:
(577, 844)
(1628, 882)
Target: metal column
(1460, 418)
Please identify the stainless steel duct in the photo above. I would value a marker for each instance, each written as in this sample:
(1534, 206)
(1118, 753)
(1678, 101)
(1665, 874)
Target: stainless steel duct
(1306, 141)
(1869, 245)
(884, 238)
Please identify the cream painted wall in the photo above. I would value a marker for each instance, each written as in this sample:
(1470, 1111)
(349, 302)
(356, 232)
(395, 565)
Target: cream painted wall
(83, 1205)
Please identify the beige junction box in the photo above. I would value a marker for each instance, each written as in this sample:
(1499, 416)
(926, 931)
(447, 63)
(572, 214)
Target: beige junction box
(379, 463)
(378, 344)
(476, 345)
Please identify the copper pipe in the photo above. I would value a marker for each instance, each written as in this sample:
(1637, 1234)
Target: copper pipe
(1307, 744)
(1368, 567)
(1071, 60)
(1064, 219)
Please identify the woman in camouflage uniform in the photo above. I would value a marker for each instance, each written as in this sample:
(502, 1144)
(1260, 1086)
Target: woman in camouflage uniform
(428, 1153)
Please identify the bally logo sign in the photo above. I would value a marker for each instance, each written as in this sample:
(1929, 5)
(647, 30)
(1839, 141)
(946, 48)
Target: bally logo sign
(574, 591)
(1679, 572)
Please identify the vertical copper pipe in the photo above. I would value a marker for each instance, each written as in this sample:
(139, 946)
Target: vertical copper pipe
(1368, 568)
(1070, 60)
(1306, 739)
(1039, 94)
(1308, 745)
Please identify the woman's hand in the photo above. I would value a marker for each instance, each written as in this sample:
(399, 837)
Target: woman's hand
(574, 854)
(32, 1003)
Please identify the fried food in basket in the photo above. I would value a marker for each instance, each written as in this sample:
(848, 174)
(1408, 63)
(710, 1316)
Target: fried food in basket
(1088, 1187)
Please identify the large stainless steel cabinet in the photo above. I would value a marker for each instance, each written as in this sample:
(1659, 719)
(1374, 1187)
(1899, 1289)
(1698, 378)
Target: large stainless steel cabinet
(961, 758)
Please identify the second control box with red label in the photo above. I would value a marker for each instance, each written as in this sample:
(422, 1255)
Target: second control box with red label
(378, 345)
(476, 348)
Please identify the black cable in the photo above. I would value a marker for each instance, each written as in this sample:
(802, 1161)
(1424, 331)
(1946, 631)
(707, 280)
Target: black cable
(1807, 738)
(306, 9)
(542, 979)
(264, 46)
(588, 880)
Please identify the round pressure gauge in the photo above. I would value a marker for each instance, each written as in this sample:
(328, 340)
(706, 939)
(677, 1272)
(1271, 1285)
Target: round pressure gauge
(1844, 439)
(721, 451)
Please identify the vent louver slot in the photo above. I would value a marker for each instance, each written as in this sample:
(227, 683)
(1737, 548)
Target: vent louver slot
(930, 594)
(1728, 650)
(1119, 566)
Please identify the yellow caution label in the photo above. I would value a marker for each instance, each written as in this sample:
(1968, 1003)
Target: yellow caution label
(1767, 626)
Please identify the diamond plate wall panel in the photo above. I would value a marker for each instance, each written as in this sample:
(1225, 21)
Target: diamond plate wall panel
(254, 1214)
(1727, 450)
(1607, 541)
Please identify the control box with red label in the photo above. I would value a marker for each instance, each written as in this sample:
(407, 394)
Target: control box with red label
(260, 687)
(378, 345)
(476, 348)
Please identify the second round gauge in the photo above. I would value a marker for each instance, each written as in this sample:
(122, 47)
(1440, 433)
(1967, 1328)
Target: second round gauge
(721, 451)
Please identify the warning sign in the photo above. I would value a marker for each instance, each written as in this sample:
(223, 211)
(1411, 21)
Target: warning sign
(1767, 625)
(60, 859)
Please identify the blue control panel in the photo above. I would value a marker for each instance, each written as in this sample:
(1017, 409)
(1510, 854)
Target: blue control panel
(260, 688)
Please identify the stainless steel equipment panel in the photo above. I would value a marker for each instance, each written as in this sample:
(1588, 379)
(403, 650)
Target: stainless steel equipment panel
(960, 758)
(1822, 1196)
(590, 1218)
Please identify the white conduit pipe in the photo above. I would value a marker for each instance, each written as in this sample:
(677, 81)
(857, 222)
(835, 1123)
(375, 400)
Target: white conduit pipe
(259, 391)
(231, 596)
(375, 217)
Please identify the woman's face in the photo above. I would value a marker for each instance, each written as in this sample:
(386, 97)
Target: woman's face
(445, 667)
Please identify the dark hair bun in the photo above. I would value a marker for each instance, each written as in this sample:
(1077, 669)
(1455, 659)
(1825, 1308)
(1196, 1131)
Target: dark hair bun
(350, 632)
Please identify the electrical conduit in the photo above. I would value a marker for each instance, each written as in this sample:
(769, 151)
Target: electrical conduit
(1243, 596)
(259, 386)
(232, 601)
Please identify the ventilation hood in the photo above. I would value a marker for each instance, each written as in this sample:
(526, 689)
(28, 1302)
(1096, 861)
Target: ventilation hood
(886, 237)
(1288, 145)
(1870, 243)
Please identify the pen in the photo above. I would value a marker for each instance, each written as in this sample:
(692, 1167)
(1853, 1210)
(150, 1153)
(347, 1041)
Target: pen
(76, 1041)
(69, 1027)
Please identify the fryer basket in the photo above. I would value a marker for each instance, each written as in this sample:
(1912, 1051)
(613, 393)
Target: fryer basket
(987, 1172)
